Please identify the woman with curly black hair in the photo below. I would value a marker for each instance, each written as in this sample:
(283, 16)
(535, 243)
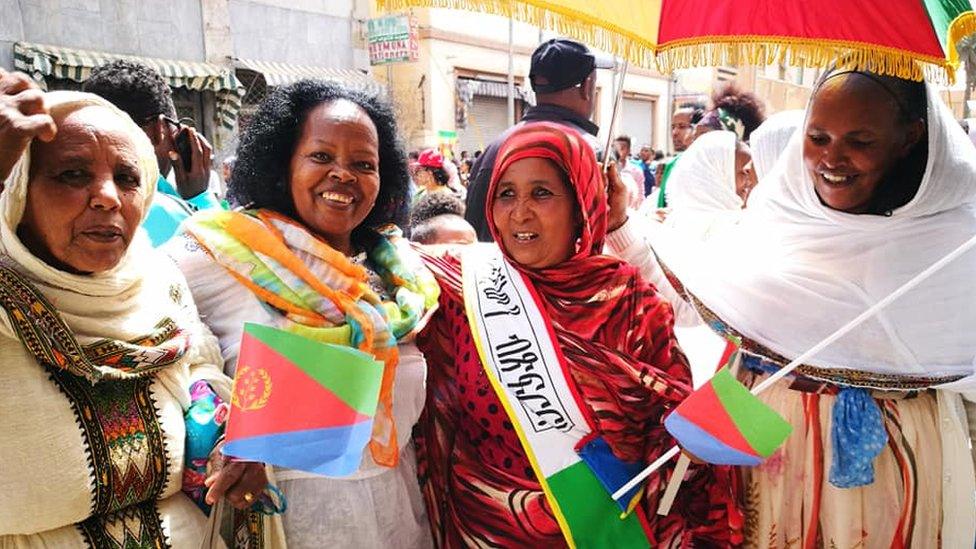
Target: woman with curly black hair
(321, 177)
(734, 110)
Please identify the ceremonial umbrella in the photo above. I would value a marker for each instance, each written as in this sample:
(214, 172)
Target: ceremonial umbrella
(906, 38)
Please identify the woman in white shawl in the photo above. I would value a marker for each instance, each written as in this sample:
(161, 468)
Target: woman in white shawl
(99, 338)
(714, 179)
(878, 186)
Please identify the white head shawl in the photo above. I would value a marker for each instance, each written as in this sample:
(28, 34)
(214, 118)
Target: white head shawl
(124, 303)
(13, 202)
(793, 271)
(770, 139)
(701, 189)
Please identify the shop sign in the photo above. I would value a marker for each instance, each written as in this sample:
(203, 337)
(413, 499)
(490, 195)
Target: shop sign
(392, 39)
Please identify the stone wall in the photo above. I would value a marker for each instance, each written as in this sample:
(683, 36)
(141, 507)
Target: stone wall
(304, 33)
(170, 29)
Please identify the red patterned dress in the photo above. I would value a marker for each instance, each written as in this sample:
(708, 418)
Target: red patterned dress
(617, 339)
(479, 487)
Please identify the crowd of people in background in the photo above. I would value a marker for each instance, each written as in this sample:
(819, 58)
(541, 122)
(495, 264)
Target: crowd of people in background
(129, 264)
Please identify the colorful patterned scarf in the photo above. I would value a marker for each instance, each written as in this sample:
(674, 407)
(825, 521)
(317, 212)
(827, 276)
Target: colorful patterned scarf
(322, 294)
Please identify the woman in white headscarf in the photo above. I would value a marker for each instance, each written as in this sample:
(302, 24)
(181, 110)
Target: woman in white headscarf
(715, 177)
(100, 341)
(878, 186)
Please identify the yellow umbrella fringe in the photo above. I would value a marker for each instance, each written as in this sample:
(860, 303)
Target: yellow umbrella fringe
(540, 13)
(764, 50)
(961, 27)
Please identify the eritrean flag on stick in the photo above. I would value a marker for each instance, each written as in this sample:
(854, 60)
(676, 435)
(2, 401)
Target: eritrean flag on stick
(301, 404)
(723, 423)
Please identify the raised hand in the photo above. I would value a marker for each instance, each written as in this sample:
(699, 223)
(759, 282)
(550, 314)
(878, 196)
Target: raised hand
(23, 116)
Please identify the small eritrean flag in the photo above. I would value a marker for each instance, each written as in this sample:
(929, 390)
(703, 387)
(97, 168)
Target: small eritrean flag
(723, 423)
(301, 404)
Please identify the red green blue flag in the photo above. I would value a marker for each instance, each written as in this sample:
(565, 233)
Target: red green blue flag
(723, 423)
(301, 404)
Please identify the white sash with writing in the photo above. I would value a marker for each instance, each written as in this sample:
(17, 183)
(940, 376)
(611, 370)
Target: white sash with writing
(524, 364)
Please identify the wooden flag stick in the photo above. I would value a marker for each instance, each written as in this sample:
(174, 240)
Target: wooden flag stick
(676, 478)
(782, 372)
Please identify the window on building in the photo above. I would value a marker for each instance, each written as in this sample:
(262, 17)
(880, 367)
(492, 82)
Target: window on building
(637, 120)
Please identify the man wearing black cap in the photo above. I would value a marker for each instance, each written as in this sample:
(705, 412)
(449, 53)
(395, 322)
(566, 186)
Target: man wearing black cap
(563, 77)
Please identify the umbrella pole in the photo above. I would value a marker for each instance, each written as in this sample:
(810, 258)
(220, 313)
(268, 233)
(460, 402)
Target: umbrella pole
(616, 109)
(511, 71)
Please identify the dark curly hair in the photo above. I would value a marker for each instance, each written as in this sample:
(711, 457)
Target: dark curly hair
(260, 176)
(433, 204)
(743, 105)
(135, 88)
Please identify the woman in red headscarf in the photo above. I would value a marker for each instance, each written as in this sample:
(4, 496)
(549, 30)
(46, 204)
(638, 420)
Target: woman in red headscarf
(557, 394)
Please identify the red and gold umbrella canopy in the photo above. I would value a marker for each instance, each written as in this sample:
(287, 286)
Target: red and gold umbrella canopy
(907, 38)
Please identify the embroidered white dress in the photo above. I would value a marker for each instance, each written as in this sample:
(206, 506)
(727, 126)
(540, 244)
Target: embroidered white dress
(80, 462)
(92, 449)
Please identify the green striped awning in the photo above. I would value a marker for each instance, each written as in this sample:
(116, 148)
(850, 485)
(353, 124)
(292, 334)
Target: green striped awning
(282, 74)
(40, 60)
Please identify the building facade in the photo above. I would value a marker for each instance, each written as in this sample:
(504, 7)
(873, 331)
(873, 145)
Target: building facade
(223, 56)
(457, 92)
(219, 56)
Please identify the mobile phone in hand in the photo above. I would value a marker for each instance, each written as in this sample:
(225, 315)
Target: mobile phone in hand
(182, 143)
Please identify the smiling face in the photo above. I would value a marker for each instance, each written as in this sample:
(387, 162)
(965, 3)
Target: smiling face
(85, 198)
(853, 139)
(535, 213)
(334, 171)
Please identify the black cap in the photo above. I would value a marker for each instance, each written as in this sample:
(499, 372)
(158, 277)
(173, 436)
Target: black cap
(559, 63)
